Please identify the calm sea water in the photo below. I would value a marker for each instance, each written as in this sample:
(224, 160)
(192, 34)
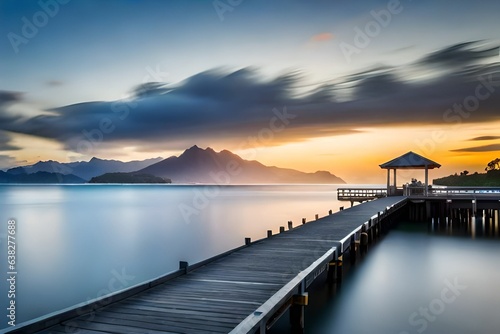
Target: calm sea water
(78, 243)
(415, 282)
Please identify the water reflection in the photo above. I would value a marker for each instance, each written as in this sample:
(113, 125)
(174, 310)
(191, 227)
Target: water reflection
(415, 282)
(472, 226)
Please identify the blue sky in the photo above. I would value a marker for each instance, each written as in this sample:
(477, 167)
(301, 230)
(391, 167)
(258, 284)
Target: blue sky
(100, 51)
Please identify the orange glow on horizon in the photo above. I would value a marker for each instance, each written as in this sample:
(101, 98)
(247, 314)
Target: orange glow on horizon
(354, 157)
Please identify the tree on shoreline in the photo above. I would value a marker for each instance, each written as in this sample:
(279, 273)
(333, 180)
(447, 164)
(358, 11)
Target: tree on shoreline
(493, 165)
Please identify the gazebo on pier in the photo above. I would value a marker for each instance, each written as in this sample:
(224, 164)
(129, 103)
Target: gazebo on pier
(409, 160)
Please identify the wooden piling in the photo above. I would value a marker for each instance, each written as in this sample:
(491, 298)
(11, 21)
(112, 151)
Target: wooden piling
(330, 212)
(339, 270)
(331, 274)
(317, 216)
(269, 233)
(282, 229)
(248, 241)
(303, 221)
(377, 225)
(290, 224)
(370, 231)
(352, 249)
(363, 242)
(297, 310)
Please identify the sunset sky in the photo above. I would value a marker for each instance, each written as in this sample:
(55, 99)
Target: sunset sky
(336, 85)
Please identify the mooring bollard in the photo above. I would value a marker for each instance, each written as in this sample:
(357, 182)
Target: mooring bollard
(341, 208)
(290, 224)
(282, 229)
(330, 212)
(269, 233)
(183, 265)
(248, 241)
(303, 221)
(317, 216)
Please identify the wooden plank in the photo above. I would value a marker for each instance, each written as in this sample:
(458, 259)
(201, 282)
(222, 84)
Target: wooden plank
(157, 324)
(66, 330)
(116, 328)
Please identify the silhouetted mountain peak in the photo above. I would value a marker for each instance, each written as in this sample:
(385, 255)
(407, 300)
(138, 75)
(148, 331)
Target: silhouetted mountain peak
(197, 165)
(193, 149)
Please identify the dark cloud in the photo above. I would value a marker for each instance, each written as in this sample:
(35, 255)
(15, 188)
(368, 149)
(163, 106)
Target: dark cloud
(485, 138)
(460, 54)
(484, 148)
(5, 143)
(7, 97)
(216, 106)
(150, 89)
(6, 162)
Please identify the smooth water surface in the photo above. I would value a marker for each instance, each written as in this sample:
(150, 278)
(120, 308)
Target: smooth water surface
(411, 283)
(78, 243)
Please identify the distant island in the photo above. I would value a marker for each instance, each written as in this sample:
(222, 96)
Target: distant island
(40, 177)
(128, 178)
(195, 165)
(489, 179)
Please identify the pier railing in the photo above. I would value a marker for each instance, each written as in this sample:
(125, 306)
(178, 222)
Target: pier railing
(368, 194)
(439, 191)
(360, 194)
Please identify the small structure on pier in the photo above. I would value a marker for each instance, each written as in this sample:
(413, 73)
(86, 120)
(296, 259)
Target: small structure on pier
(410, 160)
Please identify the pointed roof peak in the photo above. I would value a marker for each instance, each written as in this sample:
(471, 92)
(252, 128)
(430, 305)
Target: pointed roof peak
(410, 160)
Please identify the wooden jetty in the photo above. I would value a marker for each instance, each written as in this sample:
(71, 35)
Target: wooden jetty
(242, 291)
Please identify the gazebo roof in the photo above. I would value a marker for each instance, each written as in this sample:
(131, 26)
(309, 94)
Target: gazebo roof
(410, 160)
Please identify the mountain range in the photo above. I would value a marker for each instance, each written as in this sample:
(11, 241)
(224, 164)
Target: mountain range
(194, 165)
(83, 169)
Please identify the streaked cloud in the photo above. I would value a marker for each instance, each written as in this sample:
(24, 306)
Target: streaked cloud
(54, 83)
(7, 97)
(6, 162)
(485, 138)
(230, 107)
(475, 149)
(323, 37)
(5, 143)
(460, 54)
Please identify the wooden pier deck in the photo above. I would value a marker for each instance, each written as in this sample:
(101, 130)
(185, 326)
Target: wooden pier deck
(242, 291)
